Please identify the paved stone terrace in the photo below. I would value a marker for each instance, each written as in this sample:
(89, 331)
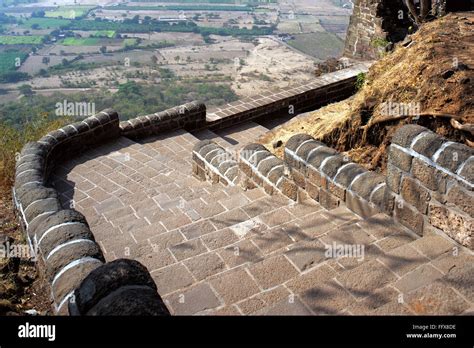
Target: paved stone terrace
(219, 250)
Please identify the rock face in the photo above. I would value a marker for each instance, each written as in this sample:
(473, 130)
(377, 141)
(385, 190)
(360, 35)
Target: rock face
(375, 23)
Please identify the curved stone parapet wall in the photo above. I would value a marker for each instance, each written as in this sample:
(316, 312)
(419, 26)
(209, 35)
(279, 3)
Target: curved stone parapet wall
(264, 169)
(212, 162)
(61, 238)
(431, 181)
(189, 116)
(330, 178)
(120, 286)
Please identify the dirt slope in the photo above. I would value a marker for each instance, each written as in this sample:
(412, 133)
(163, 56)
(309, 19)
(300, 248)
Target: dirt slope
(430, 73)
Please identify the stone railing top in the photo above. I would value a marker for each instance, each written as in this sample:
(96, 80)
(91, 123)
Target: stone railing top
(262, 99)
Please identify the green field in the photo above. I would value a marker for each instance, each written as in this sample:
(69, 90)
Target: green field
(8, 60)
(105, 33)
(190, 7)
(129, 42)
(69, 12)
(45, 23)
(21, 40)
(211, 1)
(86, 41)
(322, 45)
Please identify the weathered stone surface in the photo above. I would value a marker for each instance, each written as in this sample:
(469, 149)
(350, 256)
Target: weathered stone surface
(62, 235)
(57, 218)
(327, 298)
(130, 301)
(107, 279)
(296, 140)
(421, 276)
(328, 200)
(455, 224)
(460, 278)
(268, 164)
(68, 253)
(193, 300)
(359, 205)
(409, 217)
(42, 206)
(433, 246)
(399, 158)
(288, 188)
(306, 148)
(30, 195)
(431, 177)
(405, 135)
(415, 194)
(298, 178)
(453, 156)
(72, 278)
(29, 177)
(319, 155)
(312, 191)
(273, 271)
(365, 184)
(467, 170)
(428, 144)
(347, 174)
(435, 298)
(461, 198)
(333, 164)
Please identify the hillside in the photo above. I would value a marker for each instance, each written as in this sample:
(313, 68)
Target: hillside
(429, 77)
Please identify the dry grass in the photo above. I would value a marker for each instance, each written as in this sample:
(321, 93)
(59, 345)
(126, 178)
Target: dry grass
(415, 75)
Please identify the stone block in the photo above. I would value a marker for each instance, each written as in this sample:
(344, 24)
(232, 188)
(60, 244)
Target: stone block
(431, 177)
(399, 159)
(428, 144)
(360, 206)
(453, 156)
(405, 135)
(409, 216)
(193, 300)
(131, 301)
(461, 198)
(328, 200)
(455, 224)
(415, 194)
(288, 188)
(67, 253)
(312, 191)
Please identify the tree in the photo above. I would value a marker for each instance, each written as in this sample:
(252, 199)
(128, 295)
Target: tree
(26, 90)
(45, 60)
(38, 14)
(103, 49)
(154, 60)
(419, 14)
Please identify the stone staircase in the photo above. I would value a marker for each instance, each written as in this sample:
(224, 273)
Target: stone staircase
(222, 250)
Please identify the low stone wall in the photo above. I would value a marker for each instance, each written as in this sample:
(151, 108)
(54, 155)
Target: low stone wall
(330, 178)
(263, 169)
(60, 238)
(307, 96)
(188, 116)
(431, 181)
(121, 286)
(212, 162)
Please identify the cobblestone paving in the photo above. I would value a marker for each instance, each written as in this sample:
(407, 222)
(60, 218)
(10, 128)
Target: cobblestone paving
(218, 250)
